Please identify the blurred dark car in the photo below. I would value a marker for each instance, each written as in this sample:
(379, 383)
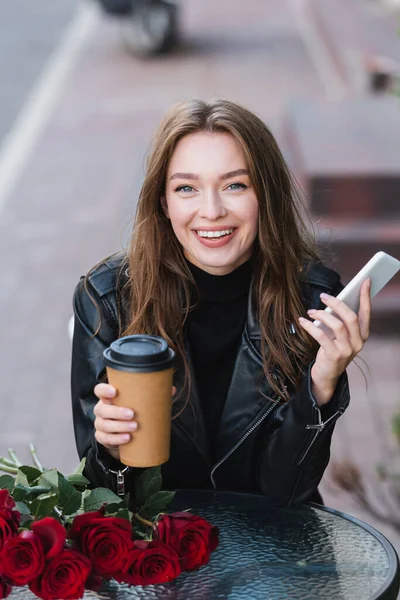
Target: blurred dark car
(148, 26)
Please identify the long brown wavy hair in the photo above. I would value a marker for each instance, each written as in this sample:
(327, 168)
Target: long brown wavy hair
(160, 283)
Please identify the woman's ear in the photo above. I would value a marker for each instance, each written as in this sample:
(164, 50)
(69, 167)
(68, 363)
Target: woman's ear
(164, 205)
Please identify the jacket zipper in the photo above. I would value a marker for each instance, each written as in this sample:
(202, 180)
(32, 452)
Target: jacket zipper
(120, 483)
(245, 436)
(318, 427)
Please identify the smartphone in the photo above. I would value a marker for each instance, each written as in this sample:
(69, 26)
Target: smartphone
(381, 268)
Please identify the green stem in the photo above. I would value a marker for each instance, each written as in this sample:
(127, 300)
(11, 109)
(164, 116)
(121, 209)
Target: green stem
(6, 469)
(14, 457)
(7, 462)
(143, 521)
(35, 458)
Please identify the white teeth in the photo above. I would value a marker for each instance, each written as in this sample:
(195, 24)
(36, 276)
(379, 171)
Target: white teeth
(214, 234)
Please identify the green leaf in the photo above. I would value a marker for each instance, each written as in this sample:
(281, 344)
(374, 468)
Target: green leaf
(116, 510)
(49, 479)
(139, 533)
(20, 492)
(26, 520)
(69, 498)
(80, 468)
(22, 508)
(78, 480)
(124, 513)
(7, 482)
(121, 513)
(112, 508)
(31, 473)
(44, 505)
(99, 496)
(157, 503)
(148, 484)
(21, 479)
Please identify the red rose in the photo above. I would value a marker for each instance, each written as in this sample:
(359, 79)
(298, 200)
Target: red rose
(51, 534)
(150, 562)
(9, 518)
(5, 589)
(107, 541)
(22, 558)
(64, 576)
(191, 536)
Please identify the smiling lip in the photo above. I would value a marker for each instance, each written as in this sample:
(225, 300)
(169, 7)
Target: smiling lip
(215, 242)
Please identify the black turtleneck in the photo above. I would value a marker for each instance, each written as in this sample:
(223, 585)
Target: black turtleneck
(214, 329)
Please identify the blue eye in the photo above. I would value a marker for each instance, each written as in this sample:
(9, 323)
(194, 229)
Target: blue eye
(239, 186)
(184, 188)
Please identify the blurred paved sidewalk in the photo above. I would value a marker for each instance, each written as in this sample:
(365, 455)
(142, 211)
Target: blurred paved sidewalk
(75, 199)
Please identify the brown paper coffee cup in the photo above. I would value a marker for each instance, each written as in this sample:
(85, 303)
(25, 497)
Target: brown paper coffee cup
(140, 367)
(149, 395)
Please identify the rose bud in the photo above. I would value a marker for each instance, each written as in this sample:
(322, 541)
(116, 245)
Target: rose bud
(149, 563)
(191, 536)
(64, 576)
(106, 541)
(22, 558)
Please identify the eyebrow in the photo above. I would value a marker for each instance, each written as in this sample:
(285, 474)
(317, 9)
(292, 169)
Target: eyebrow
(222, 177)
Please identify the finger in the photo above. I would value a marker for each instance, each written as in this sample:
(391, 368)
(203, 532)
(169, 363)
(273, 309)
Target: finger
(364, 314)
(320, 336)
(105, 390)
(110, 426)
(347, 344)
(112, 440)
(110, 411)
(348, 316)
(173, 390)
(333, 323)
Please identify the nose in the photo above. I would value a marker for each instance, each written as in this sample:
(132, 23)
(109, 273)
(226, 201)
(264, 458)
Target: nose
(212, 206)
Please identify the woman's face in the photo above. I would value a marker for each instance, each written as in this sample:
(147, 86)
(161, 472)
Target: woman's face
(211, 202)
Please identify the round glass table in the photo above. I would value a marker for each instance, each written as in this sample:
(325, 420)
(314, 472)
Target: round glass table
(301, 553)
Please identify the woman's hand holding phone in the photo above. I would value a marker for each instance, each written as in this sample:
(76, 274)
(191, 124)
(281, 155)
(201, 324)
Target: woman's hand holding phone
(350, 333)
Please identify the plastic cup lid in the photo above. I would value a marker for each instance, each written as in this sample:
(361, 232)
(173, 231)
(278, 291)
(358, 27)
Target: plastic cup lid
(139, 352)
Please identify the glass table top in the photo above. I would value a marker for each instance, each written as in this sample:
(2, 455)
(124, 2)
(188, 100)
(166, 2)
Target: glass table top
(300, 553)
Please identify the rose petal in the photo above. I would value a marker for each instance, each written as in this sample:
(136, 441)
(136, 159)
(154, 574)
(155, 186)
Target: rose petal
(6, 500)
(52, 535)
(81, 521)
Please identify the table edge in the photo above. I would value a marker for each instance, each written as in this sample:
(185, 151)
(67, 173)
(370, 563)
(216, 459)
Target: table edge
(394, 564)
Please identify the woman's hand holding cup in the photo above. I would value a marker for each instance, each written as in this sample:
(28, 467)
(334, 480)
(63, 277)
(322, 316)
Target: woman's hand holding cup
(113, 424)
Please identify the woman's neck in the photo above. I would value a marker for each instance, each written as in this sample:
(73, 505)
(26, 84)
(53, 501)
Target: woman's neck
(220, 288)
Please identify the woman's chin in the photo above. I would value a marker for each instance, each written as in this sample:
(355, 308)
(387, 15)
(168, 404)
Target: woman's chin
(215, 264)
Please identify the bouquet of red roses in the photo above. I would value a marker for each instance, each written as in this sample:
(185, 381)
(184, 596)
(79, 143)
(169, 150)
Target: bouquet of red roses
(60, 538)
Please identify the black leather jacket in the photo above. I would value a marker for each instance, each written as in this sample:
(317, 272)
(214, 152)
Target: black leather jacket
(264, 445)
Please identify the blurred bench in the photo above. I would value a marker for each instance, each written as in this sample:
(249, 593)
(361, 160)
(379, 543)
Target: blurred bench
(346, 157)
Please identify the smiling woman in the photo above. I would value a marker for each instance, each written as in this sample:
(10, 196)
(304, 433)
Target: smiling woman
(220, 264)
